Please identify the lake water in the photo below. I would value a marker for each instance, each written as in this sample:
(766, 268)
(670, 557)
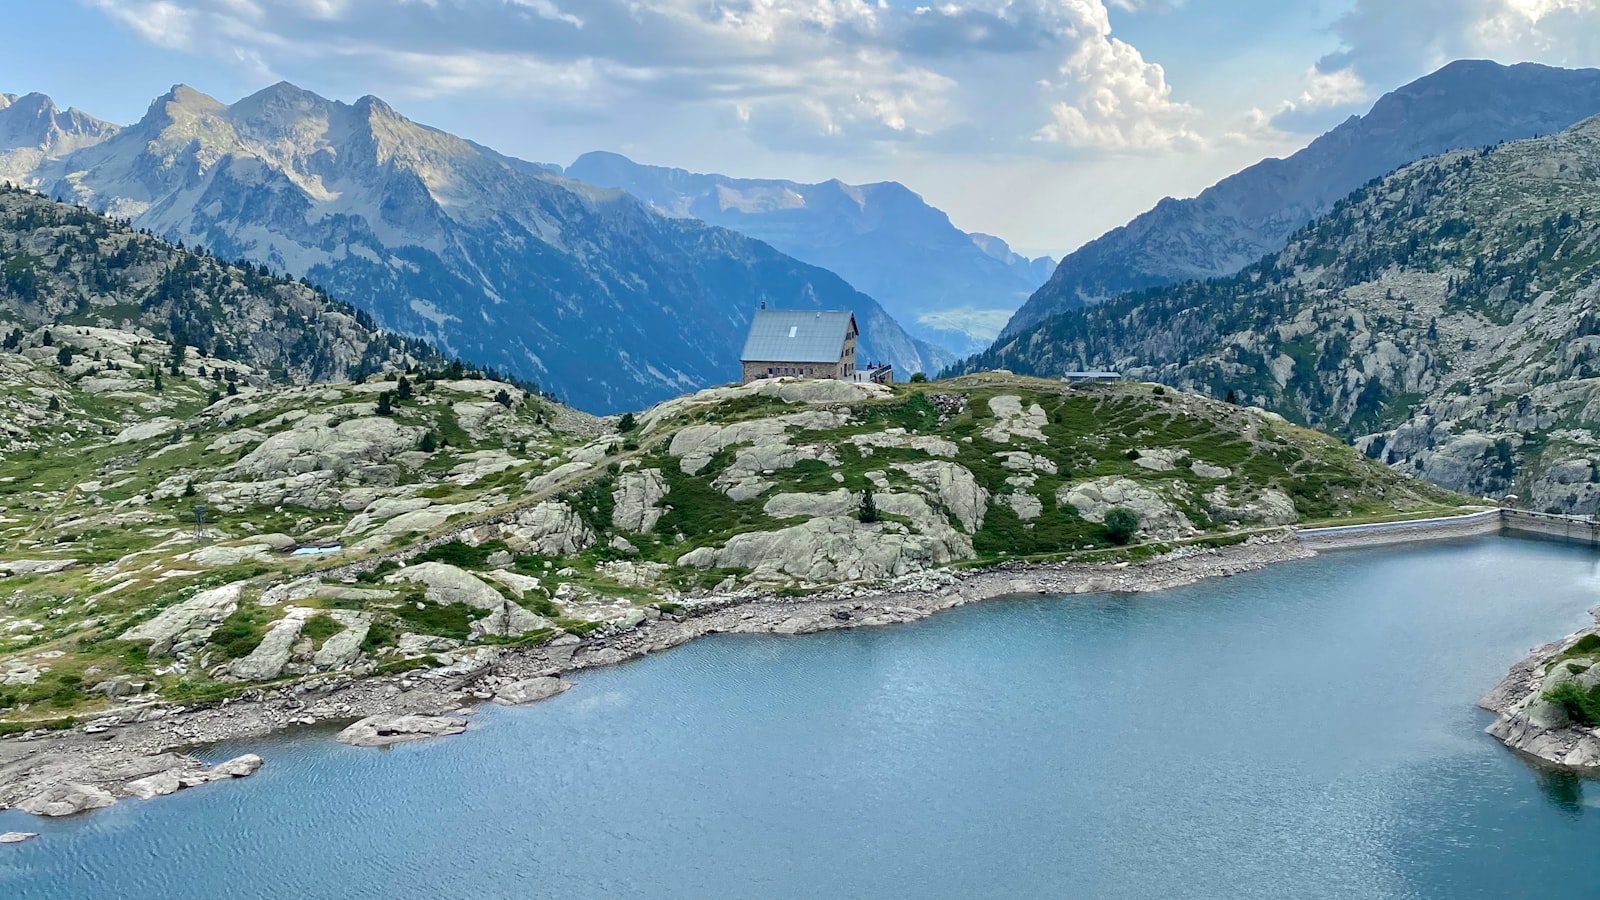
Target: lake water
(1306, 731)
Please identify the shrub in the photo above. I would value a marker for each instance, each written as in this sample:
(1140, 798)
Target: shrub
(627, 423)
(461, 555)
(377, 572)
(919, 378)
(1122, 524)
(1582, 706)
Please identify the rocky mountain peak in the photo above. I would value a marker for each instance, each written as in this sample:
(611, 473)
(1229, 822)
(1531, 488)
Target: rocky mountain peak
(33, 128)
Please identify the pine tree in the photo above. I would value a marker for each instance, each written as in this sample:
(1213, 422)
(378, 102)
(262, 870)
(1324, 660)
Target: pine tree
(403, 389)
(869, 507)
(385, 404)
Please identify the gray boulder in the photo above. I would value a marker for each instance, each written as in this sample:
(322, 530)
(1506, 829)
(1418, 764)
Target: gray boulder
(637, 496)
(446, 584)
(67, 799)
(388, 730)
(530, 690)
(191, 621)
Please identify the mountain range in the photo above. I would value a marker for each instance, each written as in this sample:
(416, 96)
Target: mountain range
(585, 290)
(1469, 103)
(949, 287)
(1445, 318)
(33, 129)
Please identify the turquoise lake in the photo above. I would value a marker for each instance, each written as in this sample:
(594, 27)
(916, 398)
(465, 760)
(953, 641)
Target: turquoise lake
(1305, 731)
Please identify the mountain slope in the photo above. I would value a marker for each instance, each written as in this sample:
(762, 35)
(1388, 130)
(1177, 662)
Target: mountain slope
(583, 289)
(33, 129)
(1241, 218)
(1446, 317)
(74, 271)
(948, 287)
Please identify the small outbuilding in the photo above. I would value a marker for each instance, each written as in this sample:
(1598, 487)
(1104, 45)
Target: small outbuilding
(804, 343)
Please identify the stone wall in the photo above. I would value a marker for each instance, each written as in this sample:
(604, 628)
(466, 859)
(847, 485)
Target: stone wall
(1486, 522)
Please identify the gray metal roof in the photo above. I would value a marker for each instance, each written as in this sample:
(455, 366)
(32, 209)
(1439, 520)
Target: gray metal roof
(796, 335)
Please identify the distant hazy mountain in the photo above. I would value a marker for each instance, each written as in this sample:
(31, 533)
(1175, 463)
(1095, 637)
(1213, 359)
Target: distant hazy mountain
(585, 290)
(1247, 215)
(945, 285)
(32, 129)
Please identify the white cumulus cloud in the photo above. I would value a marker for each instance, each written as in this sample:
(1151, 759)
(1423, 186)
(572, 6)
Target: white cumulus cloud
(1000, 76)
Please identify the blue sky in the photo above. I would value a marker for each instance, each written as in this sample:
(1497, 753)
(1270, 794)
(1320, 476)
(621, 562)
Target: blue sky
(1043, 121)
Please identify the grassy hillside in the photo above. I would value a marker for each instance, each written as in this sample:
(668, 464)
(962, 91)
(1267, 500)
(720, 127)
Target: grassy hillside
(455, 514)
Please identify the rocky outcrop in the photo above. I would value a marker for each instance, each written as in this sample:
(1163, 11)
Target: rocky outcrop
(25, 567)
(550, 529)
(67, 799)
(953, 486)
(388, 730)
(695, 445)
(446, 584)
(826, 549)
(509, 619)
(789, 506)
(314, 444)
(1268, 507)
(1012, 419)
(189, 622)
(344, 648)
(530, 690)
(272, 654)
(636, 501)
(900, 439)
(1157, 516)
(1531, 724)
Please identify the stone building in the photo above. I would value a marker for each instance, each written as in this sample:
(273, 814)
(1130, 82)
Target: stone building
(805, 343)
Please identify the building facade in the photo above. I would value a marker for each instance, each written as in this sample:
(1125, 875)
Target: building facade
(802, 343)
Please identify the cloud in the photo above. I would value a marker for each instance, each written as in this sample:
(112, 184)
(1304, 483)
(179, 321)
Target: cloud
(1389, 43)
(161, 23)
(1001, 76)
(1326, 98)
(1121, 101)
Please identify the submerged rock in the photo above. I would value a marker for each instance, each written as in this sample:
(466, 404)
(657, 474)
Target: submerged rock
(67, 799)
(388, 730)
(17, 837)
(530, 690)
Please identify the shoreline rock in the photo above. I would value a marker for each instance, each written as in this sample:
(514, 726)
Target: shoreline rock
(386, 731)
(530, 690)
(1532, 726)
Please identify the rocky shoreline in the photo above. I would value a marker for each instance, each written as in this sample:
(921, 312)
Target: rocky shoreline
(136, 745)
(1537, 728)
